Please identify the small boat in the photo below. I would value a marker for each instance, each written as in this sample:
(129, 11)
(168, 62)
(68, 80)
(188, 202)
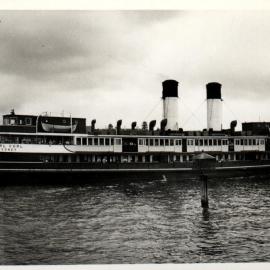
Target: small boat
(61, 128)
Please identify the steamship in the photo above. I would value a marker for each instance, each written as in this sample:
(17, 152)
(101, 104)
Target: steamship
(44, 143)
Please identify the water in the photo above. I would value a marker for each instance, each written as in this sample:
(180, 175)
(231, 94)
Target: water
(135, 222)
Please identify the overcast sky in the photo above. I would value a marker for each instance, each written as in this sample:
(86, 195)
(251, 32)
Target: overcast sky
(109, 65)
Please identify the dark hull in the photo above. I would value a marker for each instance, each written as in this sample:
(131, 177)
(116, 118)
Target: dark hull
(77, 173)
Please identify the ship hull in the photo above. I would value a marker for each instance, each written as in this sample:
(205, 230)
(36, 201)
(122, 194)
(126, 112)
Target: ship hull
(77, 173)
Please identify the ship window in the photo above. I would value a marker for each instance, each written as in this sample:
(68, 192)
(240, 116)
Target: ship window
(206, 142)
(201, 142)
(151, 142)
(166, 142)
(95, 141)
(245, 141)
(12, 121)
(254, 142)
(242, 142)
(140, 141)
(219, 142)
(178, 142)
(78, 141)
(21, 121)
(171, 142)
(262, 142)
(156, 142)
(101, 141)
(84, 141)
(257, 142)
(118, 141)
(107, 141)
(210, 142)
(214, 142)
(147, 142)
(250, 142)
(28, 121)
(196, 142)
(90, 141)
(112, 141)
(161, 142)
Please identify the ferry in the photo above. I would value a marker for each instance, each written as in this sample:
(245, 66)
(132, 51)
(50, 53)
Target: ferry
(44, 143)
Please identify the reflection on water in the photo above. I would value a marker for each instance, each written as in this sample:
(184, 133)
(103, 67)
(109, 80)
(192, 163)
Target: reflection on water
(135, 222)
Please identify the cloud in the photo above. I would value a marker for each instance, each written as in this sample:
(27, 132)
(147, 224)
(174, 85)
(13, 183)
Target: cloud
(143, 17)
(92, 62)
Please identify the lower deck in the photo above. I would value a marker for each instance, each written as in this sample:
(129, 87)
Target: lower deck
(39, 173)
(130, 158)
(19, 168)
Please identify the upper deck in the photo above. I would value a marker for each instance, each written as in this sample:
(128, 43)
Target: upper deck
(19, 123)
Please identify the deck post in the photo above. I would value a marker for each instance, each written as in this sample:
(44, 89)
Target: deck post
(204, 191)
(203, 164)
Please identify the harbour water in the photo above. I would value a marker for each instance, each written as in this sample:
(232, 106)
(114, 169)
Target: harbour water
(157, 221)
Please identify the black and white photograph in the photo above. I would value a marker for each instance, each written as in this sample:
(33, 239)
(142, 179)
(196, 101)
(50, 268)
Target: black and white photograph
(134, 136)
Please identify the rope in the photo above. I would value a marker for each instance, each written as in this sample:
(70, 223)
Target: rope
(236, 118)
(156, 105)
(193, 113)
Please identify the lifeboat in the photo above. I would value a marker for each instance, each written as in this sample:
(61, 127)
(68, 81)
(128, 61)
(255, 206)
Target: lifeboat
(48, 127)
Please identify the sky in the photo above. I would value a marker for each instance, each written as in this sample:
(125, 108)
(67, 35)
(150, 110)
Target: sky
(110, 65)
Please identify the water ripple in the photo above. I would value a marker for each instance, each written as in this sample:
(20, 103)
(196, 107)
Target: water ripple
(136, 222)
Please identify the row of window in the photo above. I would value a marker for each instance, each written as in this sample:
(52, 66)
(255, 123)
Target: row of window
(172, 142)
(214, 142)
(99, 141)
(249, 142)
(35, 140)
(160, 142)
(140, 158)
(15, 121)
(207, 142)
(118, 141)
(167, 142)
